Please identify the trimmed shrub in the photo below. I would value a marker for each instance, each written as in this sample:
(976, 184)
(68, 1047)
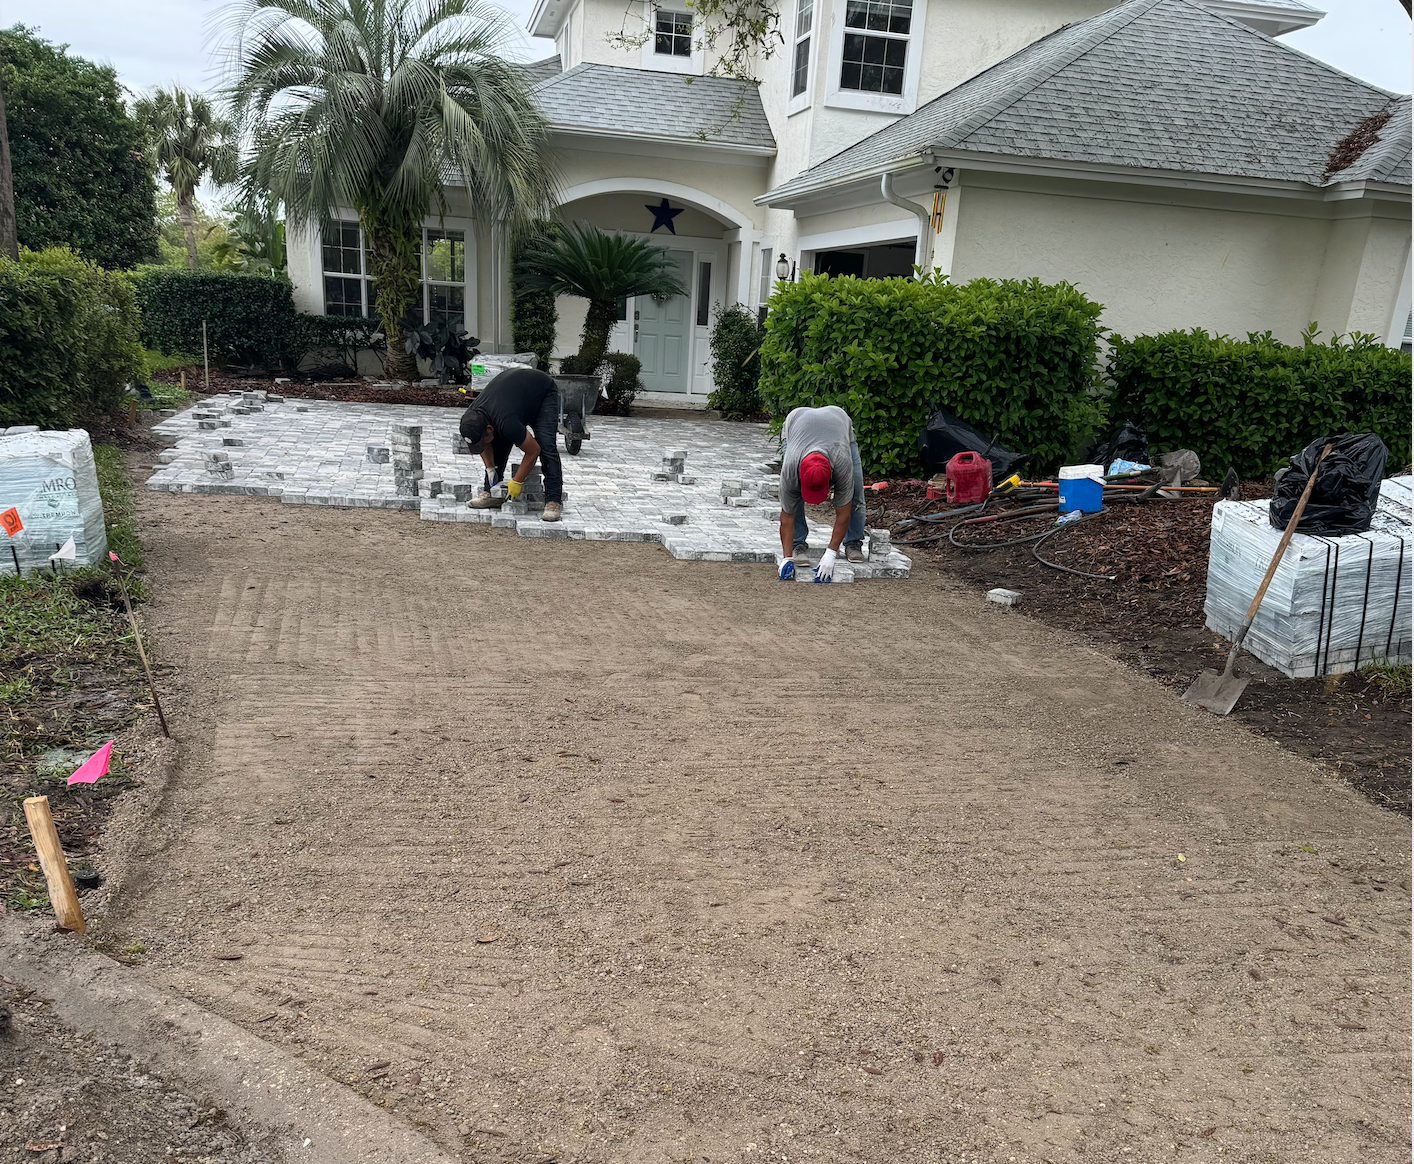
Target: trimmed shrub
(342, 336)
(620, 371)
(68, 339)
(1253, 403)
(736, 363)
(250, 319)
(533, 322)
(1014, 359)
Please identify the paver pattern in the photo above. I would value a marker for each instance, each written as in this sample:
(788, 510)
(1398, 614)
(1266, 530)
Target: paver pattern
(704, 490)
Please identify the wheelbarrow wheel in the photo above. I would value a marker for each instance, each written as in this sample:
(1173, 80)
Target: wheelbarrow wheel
(573, 445)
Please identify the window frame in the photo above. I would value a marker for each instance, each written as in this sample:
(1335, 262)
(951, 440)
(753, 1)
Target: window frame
(808, 38)
(430, 226)
(841, 98)
(649, 58)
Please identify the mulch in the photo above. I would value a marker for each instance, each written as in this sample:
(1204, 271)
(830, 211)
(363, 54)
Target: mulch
(1151, 617)
(347, 391)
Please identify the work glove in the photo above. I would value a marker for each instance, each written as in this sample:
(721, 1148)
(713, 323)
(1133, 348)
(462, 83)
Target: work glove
(512, 489)
(785, 568)
(825, 571)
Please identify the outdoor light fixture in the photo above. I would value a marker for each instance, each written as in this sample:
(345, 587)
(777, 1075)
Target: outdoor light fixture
(782, 267)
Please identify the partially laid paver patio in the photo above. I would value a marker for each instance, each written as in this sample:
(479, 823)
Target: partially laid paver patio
(722, 506)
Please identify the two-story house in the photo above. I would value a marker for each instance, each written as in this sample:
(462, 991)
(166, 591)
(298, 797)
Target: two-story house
(1172, 158)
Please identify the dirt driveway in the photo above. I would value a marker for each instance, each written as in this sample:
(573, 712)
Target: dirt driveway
(854, 873)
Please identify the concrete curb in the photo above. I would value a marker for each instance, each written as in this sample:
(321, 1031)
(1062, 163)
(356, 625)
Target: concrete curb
(257, 1082)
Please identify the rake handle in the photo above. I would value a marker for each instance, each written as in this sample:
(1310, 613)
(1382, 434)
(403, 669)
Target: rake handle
(1275, 562)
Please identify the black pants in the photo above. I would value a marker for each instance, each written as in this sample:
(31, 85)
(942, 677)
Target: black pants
(545, 426)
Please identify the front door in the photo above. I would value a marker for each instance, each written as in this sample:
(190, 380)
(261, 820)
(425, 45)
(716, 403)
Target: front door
(662, 334)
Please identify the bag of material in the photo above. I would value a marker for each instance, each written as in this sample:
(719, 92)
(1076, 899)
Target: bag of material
(1128, 442)
(1346, 490)
(1335, 603)
(51, 479)
(945, 436)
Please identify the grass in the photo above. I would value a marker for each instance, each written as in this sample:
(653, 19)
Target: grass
(1391, 678)
(157, 362)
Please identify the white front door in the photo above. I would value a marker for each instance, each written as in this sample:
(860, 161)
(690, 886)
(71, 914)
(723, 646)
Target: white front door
(663, 334)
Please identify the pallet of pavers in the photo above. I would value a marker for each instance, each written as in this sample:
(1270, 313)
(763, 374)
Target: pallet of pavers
(50, 480)
(1335, 604)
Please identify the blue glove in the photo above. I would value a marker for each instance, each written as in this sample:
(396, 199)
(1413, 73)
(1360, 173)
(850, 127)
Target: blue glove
(785, 568)
(825, 571)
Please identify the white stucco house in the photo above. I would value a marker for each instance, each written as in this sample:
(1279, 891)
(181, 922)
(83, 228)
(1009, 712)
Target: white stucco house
(1172, 158)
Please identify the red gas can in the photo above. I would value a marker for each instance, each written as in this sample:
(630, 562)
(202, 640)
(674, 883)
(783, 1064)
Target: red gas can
(969, 478)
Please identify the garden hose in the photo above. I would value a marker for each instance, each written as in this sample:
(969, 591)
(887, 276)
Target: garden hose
(1036, 550)
(983, 547)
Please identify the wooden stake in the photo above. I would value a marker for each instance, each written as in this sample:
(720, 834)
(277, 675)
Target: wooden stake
(137, 636)
(205, 356)
(184, 379)
(56, 870)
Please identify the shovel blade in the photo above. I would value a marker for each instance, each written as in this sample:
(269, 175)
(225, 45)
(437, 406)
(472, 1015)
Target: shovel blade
(1215, 691)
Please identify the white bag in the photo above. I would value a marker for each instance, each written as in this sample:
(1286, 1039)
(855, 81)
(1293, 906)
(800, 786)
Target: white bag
(51, 479)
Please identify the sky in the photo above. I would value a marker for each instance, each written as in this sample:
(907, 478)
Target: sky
(158, 42)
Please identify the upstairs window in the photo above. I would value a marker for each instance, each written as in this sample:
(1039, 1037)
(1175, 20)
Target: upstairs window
(800, 63)
(876, 45)
(672, 34)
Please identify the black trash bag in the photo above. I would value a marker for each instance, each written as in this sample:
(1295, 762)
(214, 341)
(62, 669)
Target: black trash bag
(944, 436)
(1347, 486)
(1128, 442)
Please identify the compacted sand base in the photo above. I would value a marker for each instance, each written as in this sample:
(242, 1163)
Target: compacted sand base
(575, 852)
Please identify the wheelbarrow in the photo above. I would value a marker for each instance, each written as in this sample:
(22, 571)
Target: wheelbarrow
(578, 396)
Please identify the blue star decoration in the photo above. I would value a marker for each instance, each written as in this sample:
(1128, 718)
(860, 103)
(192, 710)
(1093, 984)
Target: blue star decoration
(663, 215)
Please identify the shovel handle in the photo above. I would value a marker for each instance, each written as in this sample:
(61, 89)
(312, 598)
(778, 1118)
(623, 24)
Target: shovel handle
(1285, 541)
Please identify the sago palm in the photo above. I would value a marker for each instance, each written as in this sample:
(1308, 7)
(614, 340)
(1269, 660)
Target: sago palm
(189, 141)
(582, 260)
(377, 106)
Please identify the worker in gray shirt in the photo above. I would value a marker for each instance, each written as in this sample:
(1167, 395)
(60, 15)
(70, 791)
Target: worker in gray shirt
(819, 460)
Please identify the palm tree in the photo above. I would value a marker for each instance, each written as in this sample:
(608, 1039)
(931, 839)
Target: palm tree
(377, 106)
(582, 260)
(189, 141)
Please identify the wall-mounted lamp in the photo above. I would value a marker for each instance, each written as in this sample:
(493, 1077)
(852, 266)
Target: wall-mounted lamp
(782, 267)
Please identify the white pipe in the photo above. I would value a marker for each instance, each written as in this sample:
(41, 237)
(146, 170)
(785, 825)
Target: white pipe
(923, 251)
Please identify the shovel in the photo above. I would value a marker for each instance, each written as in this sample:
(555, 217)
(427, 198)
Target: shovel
(1219, 693)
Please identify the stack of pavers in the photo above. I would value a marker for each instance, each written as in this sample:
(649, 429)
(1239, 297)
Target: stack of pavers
(531, 499)
(406, 443)
(673, 469)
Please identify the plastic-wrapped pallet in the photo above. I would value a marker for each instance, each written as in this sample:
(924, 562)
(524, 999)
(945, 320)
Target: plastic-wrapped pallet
(51, 479)
(492, 366)
(1334, 605)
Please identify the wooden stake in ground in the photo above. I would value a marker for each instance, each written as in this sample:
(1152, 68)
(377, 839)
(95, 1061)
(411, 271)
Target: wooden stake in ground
(137, 636)
(56, 870)
(205, 356)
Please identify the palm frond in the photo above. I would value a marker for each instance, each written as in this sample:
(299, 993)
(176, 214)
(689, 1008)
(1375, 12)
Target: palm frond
(580, 259)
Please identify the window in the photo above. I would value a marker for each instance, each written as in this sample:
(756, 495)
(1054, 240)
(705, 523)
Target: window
(444, 273)
(344, 270)
(704, 293)
(672, 34)
(800, 63)
(768, 272)
(875, 55)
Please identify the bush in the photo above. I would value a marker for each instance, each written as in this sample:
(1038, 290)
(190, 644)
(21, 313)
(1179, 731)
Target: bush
(68, 339)
(343, 336)
(620, 372)
(1253, 403)
(250, 319)
(736, 363)
(1014, 359)
(533, 322)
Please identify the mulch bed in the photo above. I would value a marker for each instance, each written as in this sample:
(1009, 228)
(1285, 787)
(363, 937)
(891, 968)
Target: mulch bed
(1151, 617)
(348, 391)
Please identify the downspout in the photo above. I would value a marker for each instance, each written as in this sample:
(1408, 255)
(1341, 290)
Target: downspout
(923, 252)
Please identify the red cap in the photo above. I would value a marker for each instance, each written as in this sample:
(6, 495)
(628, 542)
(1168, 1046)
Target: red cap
(815, 478)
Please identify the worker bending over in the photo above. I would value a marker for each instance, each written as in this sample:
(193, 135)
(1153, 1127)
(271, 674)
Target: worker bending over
(820, 458)
(519, 407)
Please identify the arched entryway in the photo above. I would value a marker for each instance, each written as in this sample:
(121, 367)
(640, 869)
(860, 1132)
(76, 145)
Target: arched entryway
(704, 237)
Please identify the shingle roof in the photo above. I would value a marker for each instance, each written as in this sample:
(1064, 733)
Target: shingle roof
(1388, 159)
(538, 71)
(638, 103)
(1152, 85)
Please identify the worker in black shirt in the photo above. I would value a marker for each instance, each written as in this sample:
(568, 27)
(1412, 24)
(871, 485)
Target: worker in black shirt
(520, 407)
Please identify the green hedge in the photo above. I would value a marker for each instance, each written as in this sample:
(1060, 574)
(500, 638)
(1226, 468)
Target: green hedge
(736, 363)
(533, 321)
(1015, 359)
(68, 339)
(1253, 403)
(250, 319)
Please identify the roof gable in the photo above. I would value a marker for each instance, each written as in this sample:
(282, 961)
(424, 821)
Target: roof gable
(1150, 85)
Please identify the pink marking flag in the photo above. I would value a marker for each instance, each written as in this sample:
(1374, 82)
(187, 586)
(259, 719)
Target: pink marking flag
(92, 768)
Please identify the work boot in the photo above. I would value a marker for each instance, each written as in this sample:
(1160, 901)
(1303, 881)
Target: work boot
(552, 512)
(854, 552)
(484, 500)
(801, 553)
